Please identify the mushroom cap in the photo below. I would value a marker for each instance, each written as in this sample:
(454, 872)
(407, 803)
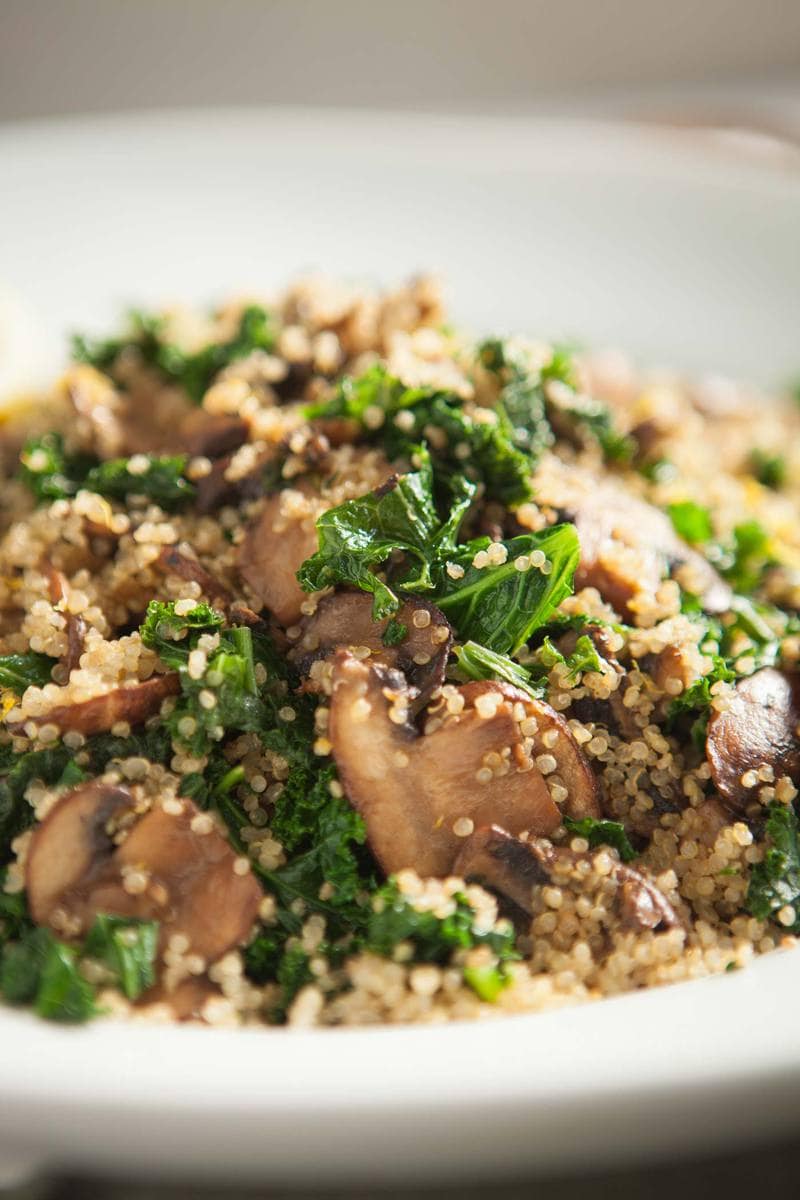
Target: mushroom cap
(515, 867)
(133, 703)
(478, 764)
(272, 552)
(344, 618)
(81, 853)
(760, 728)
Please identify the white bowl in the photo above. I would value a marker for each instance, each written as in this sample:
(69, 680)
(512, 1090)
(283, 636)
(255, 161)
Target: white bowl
(664, 244)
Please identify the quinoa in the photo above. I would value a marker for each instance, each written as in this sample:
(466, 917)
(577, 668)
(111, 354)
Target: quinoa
(166, 668)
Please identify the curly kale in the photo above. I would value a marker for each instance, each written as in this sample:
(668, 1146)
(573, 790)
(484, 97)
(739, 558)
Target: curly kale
(52, 474)
(193, 371)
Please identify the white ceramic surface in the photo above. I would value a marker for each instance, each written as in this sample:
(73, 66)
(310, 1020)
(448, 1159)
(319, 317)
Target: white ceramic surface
(669, 247)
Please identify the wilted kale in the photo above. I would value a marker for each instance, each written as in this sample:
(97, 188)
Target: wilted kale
(495, 604)
(462, 445)
(476, 662)
(775, 882)
(393, 920)
(127, 947)
(501, 605)
(746, 559)
(602, 833)
(521, 395)
(53, 475)
(224, 696)
(21, 671)
(49, 471)
(769, 469)
(193, 371)
(361, 534)
(583, 658)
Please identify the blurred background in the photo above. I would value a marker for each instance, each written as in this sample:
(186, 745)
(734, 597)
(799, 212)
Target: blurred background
(721, 60)
(731, 65)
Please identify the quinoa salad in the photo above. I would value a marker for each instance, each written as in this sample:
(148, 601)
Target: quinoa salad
(355, 670)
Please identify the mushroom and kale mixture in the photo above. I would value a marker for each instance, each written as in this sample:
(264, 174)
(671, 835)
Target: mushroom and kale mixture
(353, 671)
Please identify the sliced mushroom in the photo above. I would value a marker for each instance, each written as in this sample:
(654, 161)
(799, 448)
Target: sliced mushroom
(760, 728)
(627, 545)
(345, 619)
(133, 704)
(273, 550)
(210, 434)
(187, 1001)
(514, 867)
(92, 846)
(187, 567)
(419, 793)
(58, 589)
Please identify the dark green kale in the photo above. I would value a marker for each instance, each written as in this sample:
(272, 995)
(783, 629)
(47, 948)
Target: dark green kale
(745, 561)
(476, 662)
(521, 396)
(162, 481)
(434, 939)
(695, 702)
(461, 444)
(361, 534)
(173, 636)
(394, 633)
(691, 521)
(39, 970)
(21, 671)
(51, 474)
(602, 833)
(583, 658)
(17, 771)
(501, 605)
(128, 948)
(194, 371)
(769, 469)
(775, 882)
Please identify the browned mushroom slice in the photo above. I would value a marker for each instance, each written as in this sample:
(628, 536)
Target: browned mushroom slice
(133, 704)
(345, 619)
(90, 847)
(187, 1001)
(187, 567)
(418, 792)
(210, 434)
(502, 863)
(760, 728)
(628, 546)
(58, 590)
(72, 844)
(514, 867)
(273, 550)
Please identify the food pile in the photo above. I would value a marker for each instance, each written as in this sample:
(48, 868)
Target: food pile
(355, 670)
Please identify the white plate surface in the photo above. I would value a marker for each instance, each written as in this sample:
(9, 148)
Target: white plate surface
(669, 247)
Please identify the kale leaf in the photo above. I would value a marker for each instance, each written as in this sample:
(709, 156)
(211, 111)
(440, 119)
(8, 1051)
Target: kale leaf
(173, 636)
(769, 469)
(37, 969)
(21, 671)
(193, 371)
(775, 882)
(477, 662)
(602, 833)
(360, 534)
(501, 605)
(51, 474)
(691, 521)
(462, 442)
(128, 948)
(583, 658)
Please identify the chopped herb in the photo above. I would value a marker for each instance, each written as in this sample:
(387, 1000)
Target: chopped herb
(602, 833)
(775, 882)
